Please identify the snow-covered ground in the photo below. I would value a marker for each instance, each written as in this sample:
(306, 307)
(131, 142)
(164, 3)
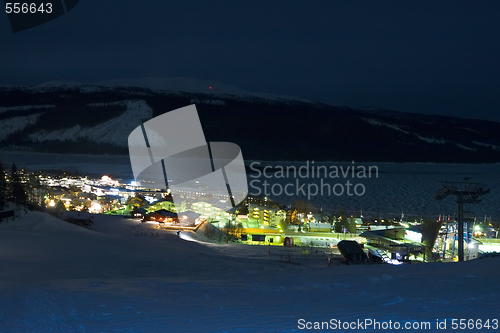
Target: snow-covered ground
(128, 277)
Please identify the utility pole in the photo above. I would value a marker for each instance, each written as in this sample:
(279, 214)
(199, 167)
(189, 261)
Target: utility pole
(464, 192)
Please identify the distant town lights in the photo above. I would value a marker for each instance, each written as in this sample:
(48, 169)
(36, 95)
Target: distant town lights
(95, 208)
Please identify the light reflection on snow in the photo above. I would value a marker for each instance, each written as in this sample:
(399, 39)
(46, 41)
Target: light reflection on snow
(187, 237)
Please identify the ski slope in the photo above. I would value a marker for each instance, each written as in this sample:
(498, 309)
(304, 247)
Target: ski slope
(114, 131)
(127, 276)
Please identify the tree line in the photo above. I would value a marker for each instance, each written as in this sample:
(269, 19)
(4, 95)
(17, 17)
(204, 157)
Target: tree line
(19, 187)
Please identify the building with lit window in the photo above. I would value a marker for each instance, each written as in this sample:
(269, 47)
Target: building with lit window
(265, 216)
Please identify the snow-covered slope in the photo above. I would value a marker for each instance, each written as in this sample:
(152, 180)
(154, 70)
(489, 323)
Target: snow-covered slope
(24, 107)
(157, 282)
(42, 222)
(114, 131)
(14, 124)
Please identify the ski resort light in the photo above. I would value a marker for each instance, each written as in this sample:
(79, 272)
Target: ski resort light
(95, 208)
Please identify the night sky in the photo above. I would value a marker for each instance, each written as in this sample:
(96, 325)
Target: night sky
(438, 57)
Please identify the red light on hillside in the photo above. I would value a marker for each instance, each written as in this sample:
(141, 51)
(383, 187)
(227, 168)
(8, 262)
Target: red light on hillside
(210, 87)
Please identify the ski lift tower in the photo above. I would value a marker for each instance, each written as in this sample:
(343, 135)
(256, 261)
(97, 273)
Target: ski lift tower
(464, 192)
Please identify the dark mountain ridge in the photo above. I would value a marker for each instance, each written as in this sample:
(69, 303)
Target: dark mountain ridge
(97, 119)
